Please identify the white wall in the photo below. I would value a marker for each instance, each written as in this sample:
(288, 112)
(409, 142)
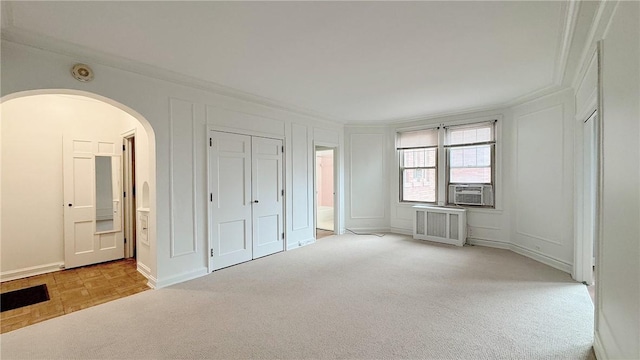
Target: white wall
(32, 173)
(618, 263)
(542, 173)
(179, 116)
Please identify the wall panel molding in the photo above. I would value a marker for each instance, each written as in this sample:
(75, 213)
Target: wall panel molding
(371, 149)
(556, 113)
(182, 172)
(300, 177)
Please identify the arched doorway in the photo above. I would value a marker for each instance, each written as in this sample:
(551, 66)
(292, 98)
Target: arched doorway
(69, 189)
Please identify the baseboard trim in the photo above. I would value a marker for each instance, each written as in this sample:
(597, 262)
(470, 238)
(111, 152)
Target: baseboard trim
(545, 259)
(605, 345)
(598, 349)
(31, 271)
(362, 231)
(298, 244)
(145, 271)
(401, 231)
(186, 276)
(489, 243)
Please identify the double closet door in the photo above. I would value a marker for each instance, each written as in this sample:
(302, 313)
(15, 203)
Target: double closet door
(245, 198)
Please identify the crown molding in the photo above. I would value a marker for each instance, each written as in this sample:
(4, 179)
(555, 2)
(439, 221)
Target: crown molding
(84, 54)
(564, 42)
(599, 25)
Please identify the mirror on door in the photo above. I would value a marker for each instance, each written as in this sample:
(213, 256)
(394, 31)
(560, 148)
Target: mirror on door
(104, 194)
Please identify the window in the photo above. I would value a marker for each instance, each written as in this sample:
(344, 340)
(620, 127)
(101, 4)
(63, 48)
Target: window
(418, 165)
(468, 154)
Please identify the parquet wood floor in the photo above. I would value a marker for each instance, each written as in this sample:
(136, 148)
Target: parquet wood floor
(323, 233)
(72, 290)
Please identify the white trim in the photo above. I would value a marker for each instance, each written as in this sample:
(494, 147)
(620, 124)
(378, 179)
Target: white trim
(564, 43)
(182, 277)
(538, 237)
(582, 66)
(489, 243)
(31, 271)
(401, 231)
(598, 348)
(518, 249)
(194, 248)
(603, 335)
(483, 226)
(543, 258)
(128, 203)
(300, 243)
(146, 272)
(382, 140)
(366, 230)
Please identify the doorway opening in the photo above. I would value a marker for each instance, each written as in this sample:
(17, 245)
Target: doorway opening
(325, 171)
(129, 184)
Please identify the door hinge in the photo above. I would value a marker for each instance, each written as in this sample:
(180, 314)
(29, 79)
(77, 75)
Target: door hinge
(133, 191)
(211, 252)
(210, 142)
(125, 240)
(283, 235)
(124, 194)
(282, 148)
(211, 197)
(122, 147)
(282, 192)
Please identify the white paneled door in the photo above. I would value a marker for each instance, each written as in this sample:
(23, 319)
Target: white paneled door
(245, 182)
(266, 171)
(92, 207)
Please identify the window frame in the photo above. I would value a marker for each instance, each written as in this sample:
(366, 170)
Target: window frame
(402, 168)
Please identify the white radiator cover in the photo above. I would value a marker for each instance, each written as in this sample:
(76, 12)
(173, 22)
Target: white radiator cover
(440, 224)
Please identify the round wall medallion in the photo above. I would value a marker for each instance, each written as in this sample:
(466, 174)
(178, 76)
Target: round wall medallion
(82, 72)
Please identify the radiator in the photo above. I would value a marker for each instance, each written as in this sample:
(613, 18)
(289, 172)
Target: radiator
(440, 224)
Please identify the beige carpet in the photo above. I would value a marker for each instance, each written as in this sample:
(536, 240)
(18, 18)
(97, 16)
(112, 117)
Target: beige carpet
(345, 297)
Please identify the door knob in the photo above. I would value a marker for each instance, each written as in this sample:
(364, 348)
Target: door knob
(256, 201)
(70, 205)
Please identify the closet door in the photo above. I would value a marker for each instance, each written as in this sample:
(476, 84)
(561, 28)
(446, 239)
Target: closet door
(268, 229)
(230, 199)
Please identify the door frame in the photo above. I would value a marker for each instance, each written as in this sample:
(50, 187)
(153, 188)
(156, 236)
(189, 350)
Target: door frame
(584, 248)
(129, 204)
(209, 228)
(336, 189)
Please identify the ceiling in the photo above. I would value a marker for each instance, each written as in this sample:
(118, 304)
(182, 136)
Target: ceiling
(352, 62)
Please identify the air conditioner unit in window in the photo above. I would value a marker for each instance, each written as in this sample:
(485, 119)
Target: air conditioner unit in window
(471, 194)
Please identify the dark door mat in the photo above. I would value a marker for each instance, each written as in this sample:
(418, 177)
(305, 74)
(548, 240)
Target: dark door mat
(23, 297)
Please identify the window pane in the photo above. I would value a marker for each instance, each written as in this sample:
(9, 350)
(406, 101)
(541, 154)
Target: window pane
(419, 157)
(419, 185)
(472, 175)
(456, 157)
(470, 156)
